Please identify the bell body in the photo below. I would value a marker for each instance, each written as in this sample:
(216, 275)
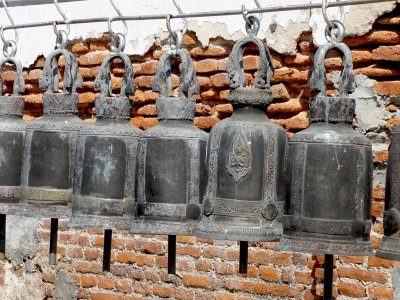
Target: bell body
(104, 184)
(49, 158)
(12, 130)
(171, 171)
(245, 188)
(390, 245)
(329, 181)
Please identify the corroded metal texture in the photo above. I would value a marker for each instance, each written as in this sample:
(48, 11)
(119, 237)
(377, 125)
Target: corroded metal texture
(246, 160)
(389, 247)
(105, 170)
(171, 157)
(50, 142)
(12, 130)
(329, 172)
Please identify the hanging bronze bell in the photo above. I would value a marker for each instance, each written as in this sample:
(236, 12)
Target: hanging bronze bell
(389, 247)
(50, 143)
(171, 157)
(104, 183)
(12, 130)
(246, 159)
(329, 172)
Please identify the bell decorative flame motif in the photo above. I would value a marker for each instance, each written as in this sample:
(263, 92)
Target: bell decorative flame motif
(104, 184)
(329, 172)
(246, 159)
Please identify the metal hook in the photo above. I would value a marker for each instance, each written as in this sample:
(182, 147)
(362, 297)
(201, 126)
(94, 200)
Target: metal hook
(252, 22)
(171, 31)
(260, 15)
(330, 37)
(56, 31)
(15, 40)
(325, 6)
(121, 15)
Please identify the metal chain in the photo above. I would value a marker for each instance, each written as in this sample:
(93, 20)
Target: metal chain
(10, 45)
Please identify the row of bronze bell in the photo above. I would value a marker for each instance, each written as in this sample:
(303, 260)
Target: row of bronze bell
(242, 182)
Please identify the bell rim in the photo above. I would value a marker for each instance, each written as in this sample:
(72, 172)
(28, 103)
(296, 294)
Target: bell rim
(157, 227)
(291, 244)
(90, 221)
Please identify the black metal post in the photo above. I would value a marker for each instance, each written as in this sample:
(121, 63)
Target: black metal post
(243, 257)
(328, 276)
(3, 234)
(107, 250)
(171, 254)
(53, 241)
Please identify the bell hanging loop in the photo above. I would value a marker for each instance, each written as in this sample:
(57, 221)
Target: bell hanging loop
(252, 22)
(9, 49)
(118, 41)
(333, 37)
(61, 39)
(329, 22)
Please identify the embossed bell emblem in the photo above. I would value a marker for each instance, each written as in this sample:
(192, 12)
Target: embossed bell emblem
(171, 158)
(329, 172)
(246, 160)
(389, 247)
(50, 146)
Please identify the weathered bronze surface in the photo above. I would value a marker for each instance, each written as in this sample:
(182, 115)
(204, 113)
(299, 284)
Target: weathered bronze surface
(171, 157)
(246, 159)
(390, 245)
(12, 130)
(329, 172)
(104, 184)
(50, 143)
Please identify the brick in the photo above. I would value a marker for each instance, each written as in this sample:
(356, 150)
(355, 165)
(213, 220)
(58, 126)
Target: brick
(33, 98)
(363, 275)
(92, 254)
(188, 250)
(33, 75)
(97, 45)
(378, 193)
(391, 53)
(204, 265)
(260, 288)
(394, 20)
(163, 291)
(307, 46)
(284, 290)
(144, 123)
(306, 278)
(298, 122)
(126, 257)
(379, 292)
(224, 296)
(147, 110)
(291, 75)
(376, 71)
(124, 285)
(258, 256)
(204, 282)
(382, 263)
(377, 209)
(252, 271)
(207, 65)
(148, 67)
(92, 58)
(391, 108)
(48, 277)
(183, 294)
(291, 106)
(211, 50)
(209, 95)
(88, 281)
(186, 239)
(361, 56)
(106, 296)
(269, 274)
(393, 122)
(80, 47)
(88, 267)
(224, 108)
(190, 39)
(280, 91)
(375, 241)
(144, 81)
(87, 97)
(203, 109)
(387, 88)
(379, 37)
(351, 290)
(300, 59)
(225, 268)
(106, 283)
(220, 80)
(352, 259)
(251, 62)
(205, 123)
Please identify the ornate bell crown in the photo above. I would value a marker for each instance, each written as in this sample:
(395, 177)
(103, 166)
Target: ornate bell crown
(54, 102)
(107, 106)
(183, 106)
(261, 93)
(332, 109)
(12, 105)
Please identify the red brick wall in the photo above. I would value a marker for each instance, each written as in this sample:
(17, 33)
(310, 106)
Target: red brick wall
(208, 269)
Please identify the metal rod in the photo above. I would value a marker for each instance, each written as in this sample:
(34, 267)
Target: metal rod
(53, 242)
(195, 14)
(107, 250)
(3, 234)
(328, 276)
(171, 254)
(243, 257)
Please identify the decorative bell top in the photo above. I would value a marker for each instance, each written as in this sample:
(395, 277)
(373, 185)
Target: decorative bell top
(261, 93)
(12, 105)
(332, 109)
(108, 106)
(57, 103)
(183, 106)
